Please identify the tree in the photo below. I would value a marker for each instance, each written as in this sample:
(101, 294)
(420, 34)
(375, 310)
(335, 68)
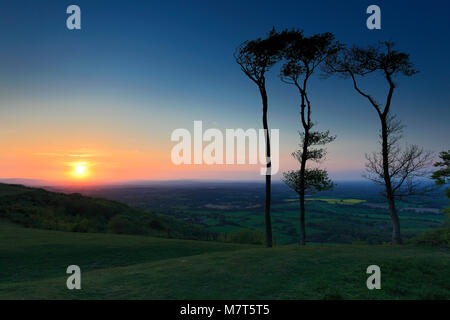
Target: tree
(256, 58)
(308, 180)
(406, 165)
(119, 224)
(442, 175)
(381, 58)
(304, 55)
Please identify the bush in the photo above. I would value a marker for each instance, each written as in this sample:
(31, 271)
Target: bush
(248, 236)
(85, 225)
(157, 225)
(119, 224)
(439, 237)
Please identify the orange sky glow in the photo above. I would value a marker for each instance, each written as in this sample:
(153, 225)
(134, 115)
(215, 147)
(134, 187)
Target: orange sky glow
(102, 143)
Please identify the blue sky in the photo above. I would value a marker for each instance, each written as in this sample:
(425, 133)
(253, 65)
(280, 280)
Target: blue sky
(142, 69)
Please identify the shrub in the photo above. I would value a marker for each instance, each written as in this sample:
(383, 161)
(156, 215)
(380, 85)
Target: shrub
(119, 224)
(157, 225)
(248, 236)
(85, 225)
(439, 237)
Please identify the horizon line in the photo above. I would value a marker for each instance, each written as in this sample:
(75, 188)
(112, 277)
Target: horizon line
(137, 182)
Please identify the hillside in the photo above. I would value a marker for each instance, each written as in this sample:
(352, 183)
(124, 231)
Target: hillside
(38, 208)
(33, 264)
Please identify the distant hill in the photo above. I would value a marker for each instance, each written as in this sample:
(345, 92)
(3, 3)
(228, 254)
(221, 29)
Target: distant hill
(27, 182)
(38, 208)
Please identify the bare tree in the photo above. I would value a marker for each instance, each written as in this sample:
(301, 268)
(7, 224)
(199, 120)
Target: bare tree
(389, 63)
(304, 55)
(407, 166)
(256, 58)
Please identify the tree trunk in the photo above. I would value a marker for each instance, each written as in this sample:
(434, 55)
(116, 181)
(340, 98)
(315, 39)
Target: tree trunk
(268, 173)
(396, 237)
(302, 239)
(305, 123)
(267, 213)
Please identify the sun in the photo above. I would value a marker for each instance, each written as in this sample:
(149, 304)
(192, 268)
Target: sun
(80, 170)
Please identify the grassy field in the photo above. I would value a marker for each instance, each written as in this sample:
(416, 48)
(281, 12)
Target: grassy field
(33, 264)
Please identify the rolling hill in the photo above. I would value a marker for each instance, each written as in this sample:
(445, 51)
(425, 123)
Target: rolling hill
(38, 208)
(33, 264)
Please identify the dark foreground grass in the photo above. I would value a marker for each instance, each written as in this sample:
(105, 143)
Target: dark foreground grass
(32, 254)
(33, 266)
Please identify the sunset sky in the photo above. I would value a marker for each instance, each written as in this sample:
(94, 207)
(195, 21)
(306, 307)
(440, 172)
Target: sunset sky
(99, 104)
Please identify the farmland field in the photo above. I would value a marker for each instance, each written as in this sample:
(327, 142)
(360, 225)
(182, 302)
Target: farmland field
(353, 212)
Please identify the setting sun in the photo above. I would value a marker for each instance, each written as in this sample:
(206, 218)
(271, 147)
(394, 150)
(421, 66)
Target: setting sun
(80, 170)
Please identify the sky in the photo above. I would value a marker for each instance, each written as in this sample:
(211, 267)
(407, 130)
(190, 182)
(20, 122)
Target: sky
(99, 104)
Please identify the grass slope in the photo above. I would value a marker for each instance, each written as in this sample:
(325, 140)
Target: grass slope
(33, 264)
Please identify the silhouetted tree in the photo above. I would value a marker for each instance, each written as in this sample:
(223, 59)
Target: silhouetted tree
(307, 181)
(389, 63)
(304, 55)
(255, 58)
(442, 175)
(406, 165)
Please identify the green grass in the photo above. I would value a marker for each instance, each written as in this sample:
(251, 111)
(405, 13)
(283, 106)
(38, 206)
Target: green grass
(33, 264)
(32, 254)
